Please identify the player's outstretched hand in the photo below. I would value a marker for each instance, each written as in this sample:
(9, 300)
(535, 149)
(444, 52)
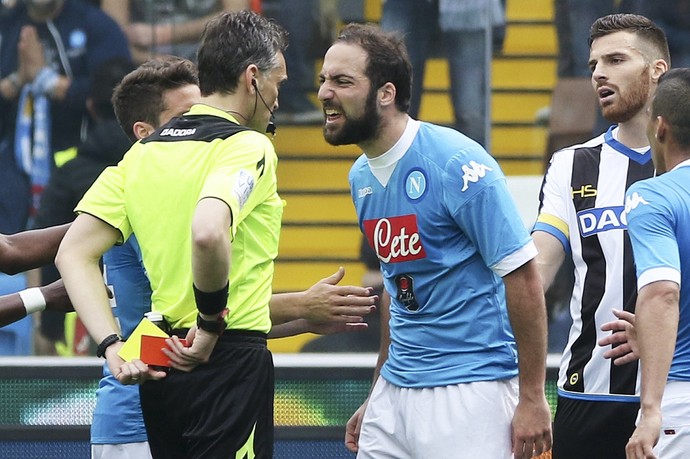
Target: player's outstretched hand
(623, 338)
(353, 427)
(201, 344)
(329, 302)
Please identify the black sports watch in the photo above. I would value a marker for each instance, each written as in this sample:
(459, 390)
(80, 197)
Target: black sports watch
(216, 326)
(106, 343)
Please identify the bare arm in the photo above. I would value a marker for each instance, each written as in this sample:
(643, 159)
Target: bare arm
(12, 307)
(30, 249)
(324, 302)
(657, 313)
(550, 257)
(527, 311)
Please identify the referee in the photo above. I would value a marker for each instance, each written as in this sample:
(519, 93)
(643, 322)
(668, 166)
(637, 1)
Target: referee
(200, 194)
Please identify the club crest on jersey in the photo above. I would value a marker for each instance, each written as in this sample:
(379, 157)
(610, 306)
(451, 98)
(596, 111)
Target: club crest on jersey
(593, 221)
(415, 184)
(634, 200)
(395, 239)
(472, 173)
(405, 294)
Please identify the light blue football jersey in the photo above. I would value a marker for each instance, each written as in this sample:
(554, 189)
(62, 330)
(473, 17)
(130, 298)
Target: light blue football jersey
(658, 213)
(445, 229)
(117, 417)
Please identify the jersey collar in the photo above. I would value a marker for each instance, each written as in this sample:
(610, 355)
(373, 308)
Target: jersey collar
(640, 158)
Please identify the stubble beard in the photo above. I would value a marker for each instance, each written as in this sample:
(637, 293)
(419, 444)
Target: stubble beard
(356, 130)
(631, 103)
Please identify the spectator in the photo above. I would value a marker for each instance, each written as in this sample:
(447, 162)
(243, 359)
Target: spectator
(156, 27)
(47, 53)
(463, 37)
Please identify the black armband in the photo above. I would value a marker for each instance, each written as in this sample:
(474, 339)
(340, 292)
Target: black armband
(106, 343)
(210, 303)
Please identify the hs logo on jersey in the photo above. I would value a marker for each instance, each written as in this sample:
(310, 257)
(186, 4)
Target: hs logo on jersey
(395, 239)
(585, 191)
(593, 221)
(473, 173)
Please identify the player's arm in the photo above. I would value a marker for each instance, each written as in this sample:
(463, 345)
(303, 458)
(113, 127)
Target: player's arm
(657, 314)
(30, 249)
(324, 302)
(354, 424)
(527, 312)
(550, 257)
(16, 306)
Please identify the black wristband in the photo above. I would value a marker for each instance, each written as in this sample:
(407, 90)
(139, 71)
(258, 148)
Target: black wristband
(216, 326)
(211, 302)
(106, 343)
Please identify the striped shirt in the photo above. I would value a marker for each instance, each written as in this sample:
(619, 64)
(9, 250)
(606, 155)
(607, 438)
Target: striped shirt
(581, 203)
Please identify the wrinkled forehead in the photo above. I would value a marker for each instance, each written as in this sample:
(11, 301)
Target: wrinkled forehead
(345, 59)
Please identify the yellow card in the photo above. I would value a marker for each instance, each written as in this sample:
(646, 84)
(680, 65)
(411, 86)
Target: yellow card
(132, 348)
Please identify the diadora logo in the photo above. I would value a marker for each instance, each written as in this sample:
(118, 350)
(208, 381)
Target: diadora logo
(634, 200)
(177, 132)
(593, 221)
(473, 173)
(364, 191)
(395, 239)
(585, 191)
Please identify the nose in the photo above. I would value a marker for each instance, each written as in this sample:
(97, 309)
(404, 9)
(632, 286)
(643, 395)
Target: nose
(324, 92)
(598, 73)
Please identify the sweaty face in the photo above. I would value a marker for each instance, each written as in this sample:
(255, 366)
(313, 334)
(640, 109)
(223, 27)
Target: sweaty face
(347, 97)
(621, 75)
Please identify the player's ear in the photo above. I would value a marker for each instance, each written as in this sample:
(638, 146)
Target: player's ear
(142, 129)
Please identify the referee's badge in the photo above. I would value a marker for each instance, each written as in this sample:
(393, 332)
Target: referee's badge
(405, 284)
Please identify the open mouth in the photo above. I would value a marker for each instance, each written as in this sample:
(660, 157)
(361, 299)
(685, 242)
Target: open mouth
(332, 114)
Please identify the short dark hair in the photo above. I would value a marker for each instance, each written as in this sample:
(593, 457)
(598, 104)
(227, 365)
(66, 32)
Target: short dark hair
(103, 81)
(230, 43)
(641, 26)
(387, 59)
(139, 97)
(672, 102)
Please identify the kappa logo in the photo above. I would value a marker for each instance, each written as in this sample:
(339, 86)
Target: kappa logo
(473, 173)
(170, 132)
(364, 191)
(634, 200)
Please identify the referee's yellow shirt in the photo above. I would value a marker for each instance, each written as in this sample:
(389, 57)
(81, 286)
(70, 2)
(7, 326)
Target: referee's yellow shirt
(153, 193)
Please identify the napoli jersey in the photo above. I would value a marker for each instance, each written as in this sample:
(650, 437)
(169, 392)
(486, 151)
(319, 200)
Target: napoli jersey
(658, 213)
(581, 203)
(437, 211)
(117, 417)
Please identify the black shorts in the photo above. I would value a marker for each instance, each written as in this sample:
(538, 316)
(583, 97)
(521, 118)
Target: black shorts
(219, 409)
(593, 430)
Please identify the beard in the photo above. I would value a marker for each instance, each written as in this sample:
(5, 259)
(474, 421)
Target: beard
(630, 103)
(356, 130)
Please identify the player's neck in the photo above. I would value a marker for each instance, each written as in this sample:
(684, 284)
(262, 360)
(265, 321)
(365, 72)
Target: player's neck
(632, 133)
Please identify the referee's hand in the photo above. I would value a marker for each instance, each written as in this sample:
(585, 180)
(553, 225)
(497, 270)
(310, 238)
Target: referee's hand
(187, 358)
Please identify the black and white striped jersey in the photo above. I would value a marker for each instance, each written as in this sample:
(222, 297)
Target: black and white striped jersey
(581, 203)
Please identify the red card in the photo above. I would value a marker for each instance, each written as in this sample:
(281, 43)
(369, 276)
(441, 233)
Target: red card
(152, 350)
